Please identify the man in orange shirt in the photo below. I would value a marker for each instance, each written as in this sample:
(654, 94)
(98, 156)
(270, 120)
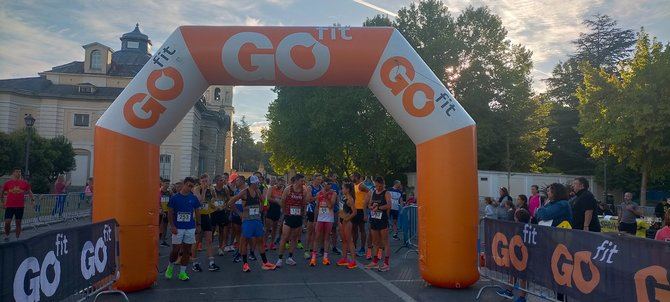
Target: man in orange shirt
(15, 190)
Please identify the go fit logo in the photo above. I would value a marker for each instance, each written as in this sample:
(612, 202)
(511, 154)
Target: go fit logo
(152, 107)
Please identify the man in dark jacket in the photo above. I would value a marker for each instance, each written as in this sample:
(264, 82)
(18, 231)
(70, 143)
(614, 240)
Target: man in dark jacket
(584, 207)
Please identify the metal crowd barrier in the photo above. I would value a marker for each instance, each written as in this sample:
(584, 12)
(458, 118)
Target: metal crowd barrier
(408, 222)
(503, 281)
(54, 208)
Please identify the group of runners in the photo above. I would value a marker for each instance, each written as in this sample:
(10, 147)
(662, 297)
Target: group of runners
(251, 216)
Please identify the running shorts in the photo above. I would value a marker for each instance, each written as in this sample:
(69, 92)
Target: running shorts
(379, 224)
(322, 225)
(252, 228)
(206, 223)
(17, 213)
(359, 218)
(185, 236)
(274, 212)
(293, 221)
(394, 214)
(220, 218)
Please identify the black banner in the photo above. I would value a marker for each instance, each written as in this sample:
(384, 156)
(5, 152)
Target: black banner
(58, 264)
(584, 265)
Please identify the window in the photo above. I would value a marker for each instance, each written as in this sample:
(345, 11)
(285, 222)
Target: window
(81, 120)
(96, 60)
(133, 44)
(217, 94)
(85, 89)
(165, 166)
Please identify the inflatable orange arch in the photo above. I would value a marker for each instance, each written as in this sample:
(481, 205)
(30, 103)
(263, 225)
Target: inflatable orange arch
(129, 133)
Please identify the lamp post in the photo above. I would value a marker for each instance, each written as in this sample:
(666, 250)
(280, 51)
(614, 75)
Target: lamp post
(30, 121)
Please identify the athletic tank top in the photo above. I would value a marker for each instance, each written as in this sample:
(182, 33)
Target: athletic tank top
(275, 195)
(252, 208)
(220, 198)
(380, 200)
(315, 191)
(295, 203)
(326, 214)
(206, 204)
(360, 197)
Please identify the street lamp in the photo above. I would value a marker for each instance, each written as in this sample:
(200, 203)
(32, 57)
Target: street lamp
(30, 122)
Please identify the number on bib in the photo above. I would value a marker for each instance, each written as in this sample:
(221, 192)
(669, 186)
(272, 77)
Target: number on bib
(295, 211)
(323, 211)
(254, 211)
(183, 217)
(218, 203)
(376, 215)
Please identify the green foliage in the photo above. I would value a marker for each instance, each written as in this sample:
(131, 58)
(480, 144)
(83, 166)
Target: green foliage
(626, 114)
(248, 154)
(48, 157)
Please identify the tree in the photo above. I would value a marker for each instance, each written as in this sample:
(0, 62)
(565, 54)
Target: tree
(48, 157)
(625, 114)
(247, 154)
(603, 45)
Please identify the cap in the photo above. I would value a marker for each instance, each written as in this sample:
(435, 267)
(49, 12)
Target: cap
(253, 179)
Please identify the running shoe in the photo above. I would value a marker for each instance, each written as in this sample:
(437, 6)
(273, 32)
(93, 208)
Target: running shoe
(384, 267)
(325, 261)
(221, 253)
(213, 267)
(352, 265)
(395, 236)
(237, 258)
(505, 293)
(228, 248)
(342, 262)
(372, 265)
(279, 263)
(290, 261)
(169, 272)
(164, 244)
(252, 257)
(183, 276)
(361, 252)
(246, 268)
(336, 251)
(307, 255)
(300, 246)
(312, 262)
(368, 254)
(267, 266)
(379, 254)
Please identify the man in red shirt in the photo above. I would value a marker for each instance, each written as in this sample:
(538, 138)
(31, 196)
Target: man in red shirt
(15, 190)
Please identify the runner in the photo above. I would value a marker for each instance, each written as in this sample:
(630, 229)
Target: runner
(379, 223)
(294, 199)
(362, 198)
(15, 190)
(183, 218)
(325, 202)
(165, 195)
(205, 195)
(273, 197)
(315, 187)
(397, 203)
(252, 227)
(333, 234)
(236, 210)
(346, 227)
(221, 214)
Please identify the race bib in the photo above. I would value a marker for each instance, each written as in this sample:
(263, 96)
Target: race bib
(323, 211)
(183, 217)
(219, 203)
(295, 211)
(204, 206)
(254, 211)
(376, 215)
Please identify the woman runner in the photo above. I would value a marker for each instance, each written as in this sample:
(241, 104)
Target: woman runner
(325, 217)
(346, 227)
(274, 211)
(380, 204)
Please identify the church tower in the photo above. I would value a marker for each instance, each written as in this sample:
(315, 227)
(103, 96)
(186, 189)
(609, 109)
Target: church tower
(220, 99)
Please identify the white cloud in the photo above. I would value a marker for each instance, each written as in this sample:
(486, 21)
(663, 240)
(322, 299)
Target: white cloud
(249, 21)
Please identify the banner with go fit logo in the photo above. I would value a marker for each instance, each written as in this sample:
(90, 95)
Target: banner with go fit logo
(583, 265)
(57, 264)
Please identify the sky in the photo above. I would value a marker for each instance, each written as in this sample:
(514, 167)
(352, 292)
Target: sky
(37, 35)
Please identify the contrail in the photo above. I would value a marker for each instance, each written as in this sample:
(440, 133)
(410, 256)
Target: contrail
(377, 8)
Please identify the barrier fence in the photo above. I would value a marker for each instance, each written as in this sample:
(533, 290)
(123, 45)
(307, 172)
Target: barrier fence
(69, 264)
(408, 223)
(580, 265)
(53, 208)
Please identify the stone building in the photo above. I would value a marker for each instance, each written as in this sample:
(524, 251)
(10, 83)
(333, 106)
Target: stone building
(68, 100)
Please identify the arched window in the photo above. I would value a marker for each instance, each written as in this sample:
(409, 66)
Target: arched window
(96, 60)
(217, 94)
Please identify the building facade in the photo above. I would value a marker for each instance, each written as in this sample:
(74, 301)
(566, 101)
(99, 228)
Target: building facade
(68, 100)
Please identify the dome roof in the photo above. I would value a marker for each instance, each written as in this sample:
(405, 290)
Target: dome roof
(136, 35)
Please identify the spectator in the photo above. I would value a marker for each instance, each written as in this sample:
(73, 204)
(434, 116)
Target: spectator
(12, 199)
(522, 202)
(489, 209)
(88, 190)
(557, 209)
(501, 210)
(629, 212)
(584, 207)
(664, 233)
(509, 210)
(535, 200)
(60, 188)
(662, 208)
(604, 209)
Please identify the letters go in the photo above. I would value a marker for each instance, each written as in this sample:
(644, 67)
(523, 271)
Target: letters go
(152, 106)
(507, 252)
(398, 83)
(573, 271)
